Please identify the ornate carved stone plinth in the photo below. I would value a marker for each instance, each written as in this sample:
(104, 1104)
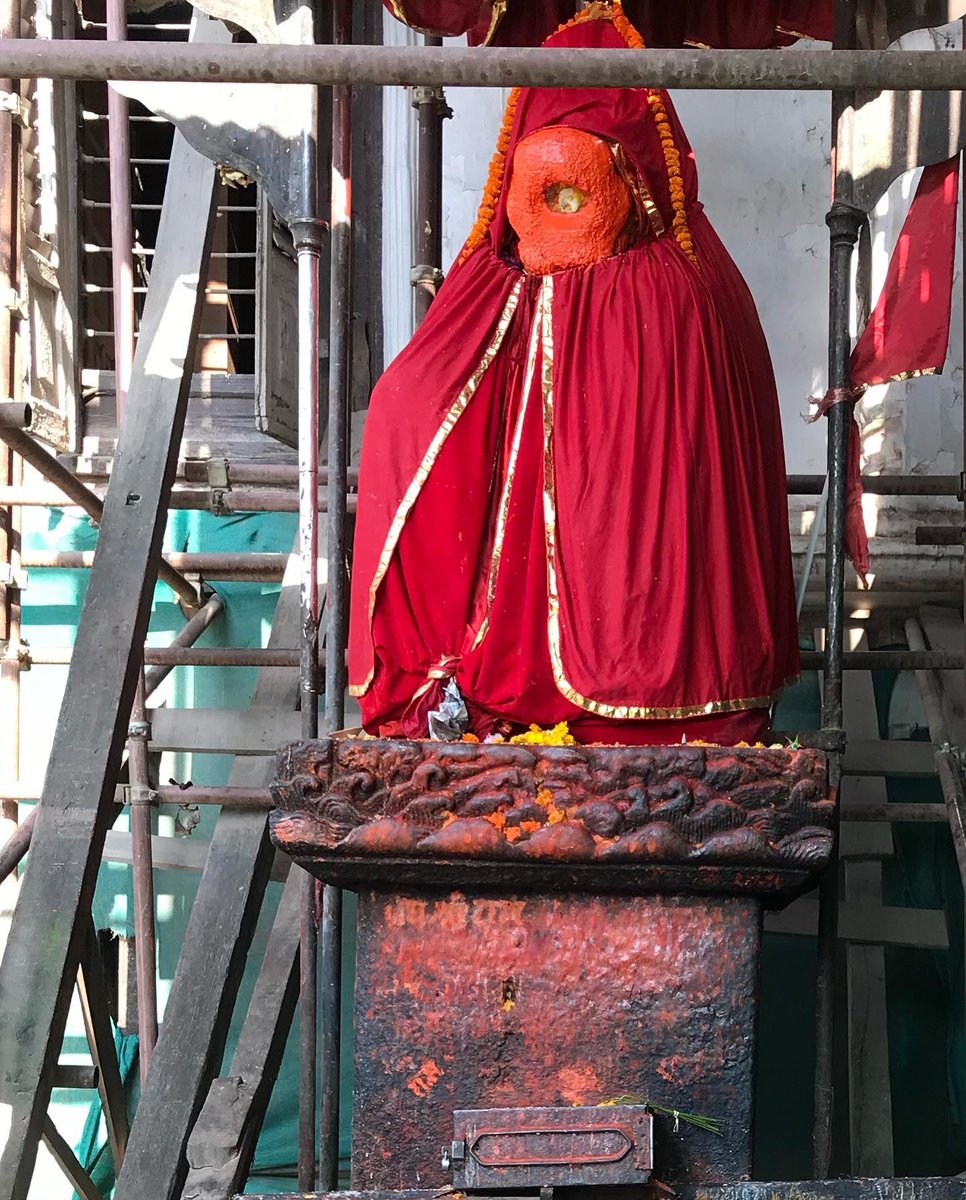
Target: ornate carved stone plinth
(630, 818)
(543, 927)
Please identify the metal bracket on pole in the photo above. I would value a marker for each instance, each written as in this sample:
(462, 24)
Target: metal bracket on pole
(13, 102)
(219, 482)
(13, 302)
(20, 651)
(219, 473)
(216, 502)
(12, 578)
(433, 96)
(134, 794)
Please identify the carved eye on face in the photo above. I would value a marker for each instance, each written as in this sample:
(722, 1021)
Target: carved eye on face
(565, 198)
(560, 222)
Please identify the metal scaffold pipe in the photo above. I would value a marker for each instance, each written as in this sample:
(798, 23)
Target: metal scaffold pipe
(745, 70)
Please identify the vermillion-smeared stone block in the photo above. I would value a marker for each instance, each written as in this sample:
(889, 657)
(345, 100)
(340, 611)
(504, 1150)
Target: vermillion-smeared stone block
(485, 1002)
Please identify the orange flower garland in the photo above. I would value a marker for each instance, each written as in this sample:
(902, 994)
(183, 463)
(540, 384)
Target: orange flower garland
(672, 156)
(672, 159)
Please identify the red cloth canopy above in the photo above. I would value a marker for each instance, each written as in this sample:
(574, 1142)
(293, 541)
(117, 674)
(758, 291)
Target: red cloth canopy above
(721, 24)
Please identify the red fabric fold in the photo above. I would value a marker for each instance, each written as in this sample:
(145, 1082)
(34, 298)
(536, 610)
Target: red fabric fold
(721, 24)
(444, 18)
(908, 331)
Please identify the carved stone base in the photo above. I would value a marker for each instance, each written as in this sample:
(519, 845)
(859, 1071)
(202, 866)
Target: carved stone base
(624, 818)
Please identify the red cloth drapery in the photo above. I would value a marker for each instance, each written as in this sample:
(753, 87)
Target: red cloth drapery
(722, 24)
(908, 332)
(446, 18)
(572, 488)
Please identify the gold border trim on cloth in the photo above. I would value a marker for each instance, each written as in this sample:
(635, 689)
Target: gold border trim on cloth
(504, 506)
(564, 686)
(902, 377)
(497, 13)
(429, 460)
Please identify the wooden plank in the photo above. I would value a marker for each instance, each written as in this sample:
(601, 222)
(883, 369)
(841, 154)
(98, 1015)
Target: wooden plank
(917, 813)
(49, 924)
(922, 927)
(222, 730)
(951, 777)
(224, 403)
(863, 840)
(216, 942)
(822, 1189)
(67, 1160)
(178, 854)
(870, 1091)
(276, 367)
(76, 1076)
(865, 756)
(222, 1144)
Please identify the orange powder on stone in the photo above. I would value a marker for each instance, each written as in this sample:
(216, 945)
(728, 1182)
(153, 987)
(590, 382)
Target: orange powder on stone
(566, 201)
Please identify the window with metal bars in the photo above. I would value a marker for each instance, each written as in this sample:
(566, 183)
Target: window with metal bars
(227, 335)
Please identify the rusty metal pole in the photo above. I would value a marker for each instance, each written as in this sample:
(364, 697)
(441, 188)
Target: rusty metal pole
(10, 466)
(142, 869)
(340, 357)
(307, 234)
(431, 109)
(844, 222)
(122, 277)
(327, 66)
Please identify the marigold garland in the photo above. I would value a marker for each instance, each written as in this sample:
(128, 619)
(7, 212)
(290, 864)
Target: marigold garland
(672, 156)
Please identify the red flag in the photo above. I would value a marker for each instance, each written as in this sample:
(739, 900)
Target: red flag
(908, 332)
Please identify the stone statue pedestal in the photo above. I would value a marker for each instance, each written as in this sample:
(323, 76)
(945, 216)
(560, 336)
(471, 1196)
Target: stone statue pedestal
(550, 927)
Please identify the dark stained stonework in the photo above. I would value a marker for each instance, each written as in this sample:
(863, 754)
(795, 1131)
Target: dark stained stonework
(811, 1189)
(528, 1001)
(618, 817)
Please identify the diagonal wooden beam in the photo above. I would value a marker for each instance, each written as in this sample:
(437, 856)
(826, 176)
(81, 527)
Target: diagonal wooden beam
(92, 991)
(50, 921)
(68, 1162)
(222, 1144)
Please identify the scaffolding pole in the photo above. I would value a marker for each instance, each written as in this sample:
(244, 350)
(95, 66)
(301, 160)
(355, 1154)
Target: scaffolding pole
(498, 67)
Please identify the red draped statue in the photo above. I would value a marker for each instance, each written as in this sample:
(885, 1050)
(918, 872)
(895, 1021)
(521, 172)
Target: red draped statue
(572, 489)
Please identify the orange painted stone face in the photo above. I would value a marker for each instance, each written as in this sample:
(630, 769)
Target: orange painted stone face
(567, 202)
